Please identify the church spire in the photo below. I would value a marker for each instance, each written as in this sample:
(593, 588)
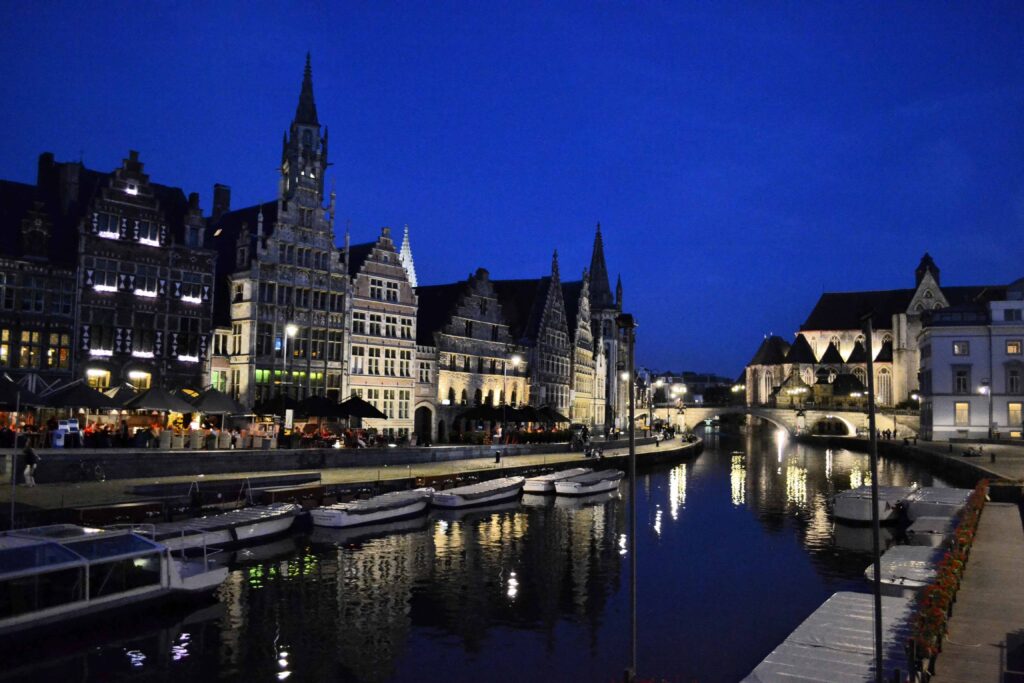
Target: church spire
(618, 293)
(405, 257)
(600, 292)
(305, 113)
(554, 266)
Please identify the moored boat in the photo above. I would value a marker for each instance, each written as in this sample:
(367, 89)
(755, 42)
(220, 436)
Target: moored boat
(581, 502)
(379, 509)
(854, 505)
(545, 483)
(934, 501)
(481, 493)
(906, 568)
(63, 572)
(934, 532)
(589, 483)
(338, 536)
(235, 528)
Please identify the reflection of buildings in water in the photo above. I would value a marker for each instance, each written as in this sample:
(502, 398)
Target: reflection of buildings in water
(859, 478)
(858, 537)
(796, 485)
(828, 464)
(818, 533)
(677, 489)
(738, 479)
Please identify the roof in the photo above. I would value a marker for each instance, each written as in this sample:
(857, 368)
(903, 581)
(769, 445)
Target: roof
(831, 355)
(600, 291)
(222, 235)
(846, 384)
(357, 255)
(522, 302)
(885, 353)
(843, 310)
(800, 351)
(859, 354)
(771, 352)
(571, 300)
(436, 305)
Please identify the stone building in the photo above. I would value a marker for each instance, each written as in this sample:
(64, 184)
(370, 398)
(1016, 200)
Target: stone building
(587, 400)
(604, 309)
(464, 326)
(382, 343)
(831, 343)
(281, 291)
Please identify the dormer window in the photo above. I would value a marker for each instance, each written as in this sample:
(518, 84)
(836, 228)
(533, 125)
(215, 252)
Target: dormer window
(132, 188)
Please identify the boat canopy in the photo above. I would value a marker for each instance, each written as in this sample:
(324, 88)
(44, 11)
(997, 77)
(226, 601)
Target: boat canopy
(42, 549)
(20, 555)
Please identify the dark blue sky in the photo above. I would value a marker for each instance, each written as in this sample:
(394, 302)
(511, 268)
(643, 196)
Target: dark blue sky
(741, 158)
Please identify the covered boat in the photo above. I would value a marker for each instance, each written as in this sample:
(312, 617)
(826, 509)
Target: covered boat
(836, 643)
(906, 568)
(545, 483)
(935, 501)
(934, 532)
(589, 483)
(379, 509)
(338, 536)
(235, 528)
(62, 572)
(481, 493)
(855, 505)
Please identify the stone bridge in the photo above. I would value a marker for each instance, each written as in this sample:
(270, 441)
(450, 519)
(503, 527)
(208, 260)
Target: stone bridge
(797, 421)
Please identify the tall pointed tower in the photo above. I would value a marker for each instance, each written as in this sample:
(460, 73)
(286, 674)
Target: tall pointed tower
(604, 308)
(600, 292)
(304, 151)
(405, 256)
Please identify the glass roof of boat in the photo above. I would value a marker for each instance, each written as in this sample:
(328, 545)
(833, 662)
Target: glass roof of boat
(111, 545)
(42, 549)
(20, 554)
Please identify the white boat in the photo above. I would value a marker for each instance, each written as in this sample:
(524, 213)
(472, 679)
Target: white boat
(379, 509)
(858, 537)
(481, 493)
(338, 536)
(935, 501)
(906, 568)
(581, 502)
(57, 573)
(245, 526)
(545, 483)
(476, 513)
(855, 505)
(934, 532)
(589, 483)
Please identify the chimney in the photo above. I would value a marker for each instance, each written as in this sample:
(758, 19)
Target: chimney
(45, 169)
(193, 201)
(221, 200)
(482, 274)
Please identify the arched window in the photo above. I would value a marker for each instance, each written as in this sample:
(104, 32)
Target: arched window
(808, 376)
(451, 395)
(490, 397)
(465, 397)
(478, 397)
(928, 294)
(501, 399)
(887, 339)
(885, 387)
(513, 397)
(861, 375)
(859, 339)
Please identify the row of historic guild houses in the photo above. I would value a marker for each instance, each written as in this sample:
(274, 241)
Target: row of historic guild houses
(110, 279)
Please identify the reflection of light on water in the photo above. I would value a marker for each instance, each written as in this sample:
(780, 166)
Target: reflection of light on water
(282, 661)
(180, 649)
(622, 544)
(657, 521)
(136, 657)
(676, 489)
(781, 437)
(858, 477)
(796, 484)
(738, 479)
(513, 586)
(828, 464)
(819, 527)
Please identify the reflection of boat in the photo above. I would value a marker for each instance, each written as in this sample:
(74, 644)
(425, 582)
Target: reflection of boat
(580, 502)
(537, 500)
(545, 483)
(265, 551)
(481, 493)
(57, 573)
(385, 507)
(906, 568)
(857, 537)
(591, 482)
(933, 532)
(934, 501)
(234, 528)
(855, 505)
(342, 536)
(476, 512)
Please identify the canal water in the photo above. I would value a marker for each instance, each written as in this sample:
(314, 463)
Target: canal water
(735, 548)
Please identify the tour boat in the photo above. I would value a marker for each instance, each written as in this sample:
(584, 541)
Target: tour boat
(383, 508)
(245, 526)
(545, 483)
(855, 505)
(934, 532)
(481, 493)
(934, 501)
(906, 568)
(57, 573)
(589, 483)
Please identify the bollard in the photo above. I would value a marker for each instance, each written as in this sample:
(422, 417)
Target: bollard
(497, 457)
(992, 457)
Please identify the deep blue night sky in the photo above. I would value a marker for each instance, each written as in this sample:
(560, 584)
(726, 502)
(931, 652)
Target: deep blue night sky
(741, 158)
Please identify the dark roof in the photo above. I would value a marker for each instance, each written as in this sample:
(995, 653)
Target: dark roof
(222, 235)
(884, 353)
(846, 384)
(16, 199)
(843, 310)
(831, 355)
(859, 354)
(771, 352)
(571, 300)
(600, 291)
(305, 113)
(522, 303)
(800, 351)
(436, 305)
(357, 255)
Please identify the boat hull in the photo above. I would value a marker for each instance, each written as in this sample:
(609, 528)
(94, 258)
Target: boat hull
(572, 488)
(859, 510)
(342, 519)
(449, 501)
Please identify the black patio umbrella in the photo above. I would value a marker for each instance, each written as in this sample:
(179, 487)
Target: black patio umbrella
(159, 400)
(276, 406)
(524, 414)
(357, 407)
(320, 406)
(484, 411)
(214, 401)
(15, 397)
(122, 393)
(79, 395)
(549, 414)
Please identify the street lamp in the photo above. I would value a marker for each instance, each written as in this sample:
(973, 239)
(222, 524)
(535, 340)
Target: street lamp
(986, 390)
(515, 360)
(650, 401)
(290, 330)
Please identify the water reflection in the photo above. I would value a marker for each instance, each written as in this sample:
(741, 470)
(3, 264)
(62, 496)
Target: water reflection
(677, 489)
(738, 478)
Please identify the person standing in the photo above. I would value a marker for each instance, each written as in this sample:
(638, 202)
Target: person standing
(31, 462)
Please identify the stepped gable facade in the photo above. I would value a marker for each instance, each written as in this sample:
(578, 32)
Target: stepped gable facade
(281, 292)
(833, 336)
(587, 397)
(382, 342)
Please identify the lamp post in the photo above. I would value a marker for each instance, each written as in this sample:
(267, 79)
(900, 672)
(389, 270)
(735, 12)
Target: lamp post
(627, 330)
(290, 330)
(986, 390)
(515, 360)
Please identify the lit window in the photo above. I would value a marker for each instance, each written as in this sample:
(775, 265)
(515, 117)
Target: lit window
(962, 416)
(961, 348)
(1013, 414)
(98, 379)
(1013, 347)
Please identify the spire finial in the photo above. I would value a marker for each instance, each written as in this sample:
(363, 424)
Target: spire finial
(305, 113)
(554, 264)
